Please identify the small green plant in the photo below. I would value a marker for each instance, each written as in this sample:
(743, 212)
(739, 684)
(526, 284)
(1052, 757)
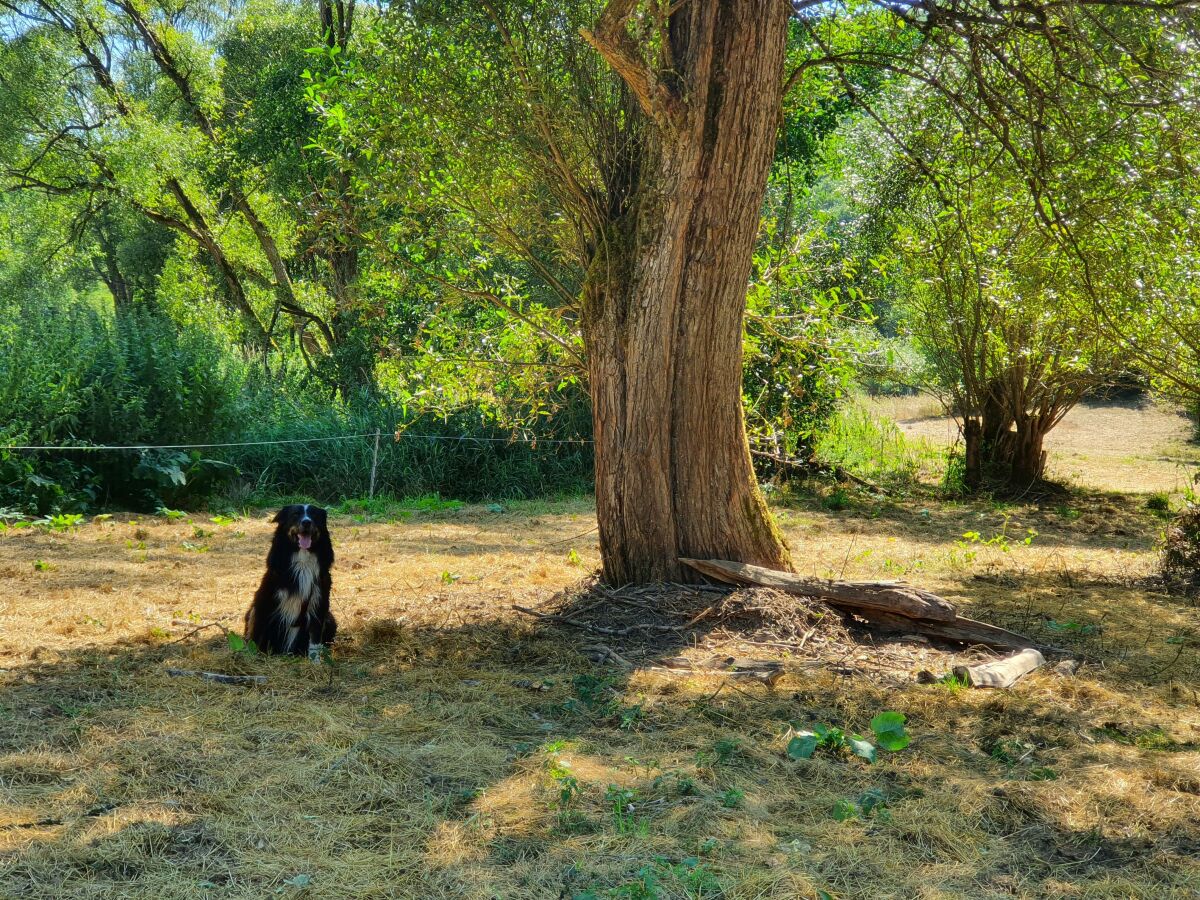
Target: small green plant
(888, 728)
(238, 644)
(198, 532)
(40, 565)
(1159, 504)
(838, 500)
(621, 804)
(594, 694)
(732, 798)
(1011, 752)
(191, 547)
(726, 749)
(871, 803)
(805, 743)
(1042, 773)
(448, 577)
(573, 558)
(61, 522)
(565, 782)
(630, 717)
(953, 683)
(222, 521)
(972, 540)
(172, 514)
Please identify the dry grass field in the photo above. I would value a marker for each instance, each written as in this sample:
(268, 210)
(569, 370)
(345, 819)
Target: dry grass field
(1137, 446)
(455, 748)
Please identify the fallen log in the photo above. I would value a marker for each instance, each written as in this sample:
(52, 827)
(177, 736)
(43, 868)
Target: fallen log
(961, 630)
(1002, 673)
(890, 597)
(892, 604)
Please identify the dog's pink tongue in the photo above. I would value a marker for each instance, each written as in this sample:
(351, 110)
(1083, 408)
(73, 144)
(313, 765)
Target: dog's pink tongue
(304, 540)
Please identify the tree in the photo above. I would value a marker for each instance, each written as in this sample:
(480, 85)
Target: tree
(996, 306)
(646, 175)
(124, 105)
(636, 200)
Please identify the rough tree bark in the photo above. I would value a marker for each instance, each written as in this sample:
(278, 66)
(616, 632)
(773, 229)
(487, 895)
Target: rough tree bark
(666, 293)
(973, 439)
(1028, 456)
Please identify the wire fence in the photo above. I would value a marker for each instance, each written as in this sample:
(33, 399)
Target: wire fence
(515, 439)
(399, 435)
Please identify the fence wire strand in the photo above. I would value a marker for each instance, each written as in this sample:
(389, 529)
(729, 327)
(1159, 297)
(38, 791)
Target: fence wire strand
(460, 438)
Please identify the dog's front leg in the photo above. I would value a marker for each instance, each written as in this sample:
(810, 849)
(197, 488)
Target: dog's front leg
(316, 630)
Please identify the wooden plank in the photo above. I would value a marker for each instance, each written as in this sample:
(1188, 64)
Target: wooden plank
(891, 597)
(1002, 673)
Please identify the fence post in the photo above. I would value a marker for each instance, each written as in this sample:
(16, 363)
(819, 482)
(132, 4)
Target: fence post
(374, 463)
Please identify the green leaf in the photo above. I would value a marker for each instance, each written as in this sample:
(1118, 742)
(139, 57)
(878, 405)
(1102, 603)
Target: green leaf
(236, 642)
(802, 746)
(863, 748)
(844, 809)
(889, 731)
(872, 799)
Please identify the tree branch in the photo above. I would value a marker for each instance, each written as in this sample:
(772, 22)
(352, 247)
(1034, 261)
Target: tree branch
(611, 39)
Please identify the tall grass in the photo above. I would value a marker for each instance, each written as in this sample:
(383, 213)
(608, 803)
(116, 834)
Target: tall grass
(467, 456)
(874, 448)
(73, 375)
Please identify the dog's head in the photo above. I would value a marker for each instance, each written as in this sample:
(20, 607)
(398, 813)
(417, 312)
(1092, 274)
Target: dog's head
(302, 524)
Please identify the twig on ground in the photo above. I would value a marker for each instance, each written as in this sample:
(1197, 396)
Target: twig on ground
(217, 677)
(196, 630)
(340, 761)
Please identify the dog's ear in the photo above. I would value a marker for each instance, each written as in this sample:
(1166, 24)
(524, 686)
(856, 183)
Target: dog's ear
(319, 514)
(279, 516)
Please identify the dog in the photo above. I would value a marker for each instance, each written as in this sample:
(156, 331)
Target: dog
(290, 612)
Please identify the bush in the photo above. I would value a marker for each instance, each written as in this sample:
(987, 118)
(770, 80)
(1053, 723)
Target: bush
(72, 376)
(875, 448)
(1179, 562)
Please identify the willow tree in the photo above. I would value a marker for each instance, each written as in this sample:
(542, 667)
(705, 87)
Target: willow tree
(624, 155)
(623, 152)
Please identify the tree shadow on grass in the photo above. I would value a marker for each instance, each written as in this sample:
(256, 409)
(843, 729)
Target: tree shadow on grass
(1082, 519)
(495, 760)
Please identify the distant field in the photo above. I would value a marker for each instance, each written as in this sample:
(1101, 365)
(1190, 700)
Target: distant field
(1139, 447)
(458, 749)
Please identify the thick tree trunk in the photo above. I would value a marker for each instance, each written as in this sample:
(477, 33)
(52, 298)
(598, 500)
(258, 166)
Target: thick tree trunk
(973, 440)
(664, 302)
(1028, 455)
(110, 271)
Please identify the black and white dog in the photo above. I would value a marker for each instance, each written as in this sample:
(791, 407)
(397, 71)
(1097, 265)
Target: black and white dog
(290, 612)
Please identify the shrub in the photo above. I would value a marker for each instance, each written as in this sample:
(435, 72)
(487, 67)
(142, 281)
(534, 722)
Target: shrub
(1180, 559)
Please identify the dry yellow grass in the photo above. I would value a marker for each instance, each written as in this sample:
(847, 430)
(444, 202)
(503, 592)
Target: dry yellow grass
(1136, 446)
(431, 760)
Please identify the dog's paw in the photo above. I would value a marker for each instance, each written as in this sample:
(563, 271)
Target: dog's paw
(315, 652)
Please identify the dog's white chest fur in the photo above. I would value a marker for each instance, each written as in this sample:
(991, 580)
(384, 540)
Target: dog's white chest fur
(291, 604)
